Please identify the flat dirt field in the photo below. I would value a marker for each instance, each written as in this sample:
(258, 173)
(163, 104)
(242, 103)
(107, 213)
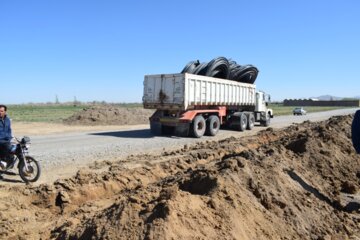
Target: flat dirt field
(39, 128)
(98, 118)
(300, 182)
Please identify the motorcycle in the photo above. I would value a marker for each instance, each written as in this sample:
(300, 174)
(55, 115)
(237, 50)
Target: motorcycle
(29, 168)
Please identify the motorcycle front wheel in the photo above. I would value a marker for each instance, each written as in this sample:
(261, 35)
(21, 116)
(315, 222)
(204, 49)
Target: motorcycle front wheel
(32, 174)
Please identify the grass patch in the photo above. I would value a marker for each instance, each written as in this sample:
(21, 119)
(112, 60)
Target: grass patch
(54, 113)
(42, 113)
(279, 109)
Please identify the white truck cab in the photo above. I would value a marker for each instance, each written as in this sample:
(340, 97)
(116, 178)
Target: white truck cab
(262, 100)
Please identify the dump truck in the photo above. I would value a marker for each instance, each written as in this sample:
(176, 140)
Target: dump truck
(194, 105)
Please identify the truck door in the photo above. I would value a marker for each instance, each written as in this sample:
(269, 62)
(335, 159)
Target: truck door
(260, 102)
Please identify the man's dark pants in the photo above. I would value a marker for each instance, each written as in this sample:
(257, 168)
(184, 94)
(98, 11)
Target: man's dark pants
(5, 149)
(355, 131)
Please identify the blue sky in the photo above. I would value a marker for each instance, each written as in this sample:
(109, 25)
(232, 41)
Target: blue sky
(101, 50)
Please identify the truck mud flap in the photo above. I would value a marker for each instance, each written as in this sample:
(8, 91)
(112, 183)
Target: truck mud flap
(156, 128)
(159, 129)
(182, 130)
(233, 122)
(236, 121)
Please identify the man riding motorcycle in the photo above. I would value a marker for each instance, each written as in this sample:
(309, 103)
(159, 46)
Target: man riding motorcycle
(5, 138)
(10, 154)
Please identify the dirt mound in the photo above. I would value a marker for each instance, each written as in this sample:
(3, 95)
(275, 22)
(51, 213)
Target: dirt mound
(108, 115)
(288, 184)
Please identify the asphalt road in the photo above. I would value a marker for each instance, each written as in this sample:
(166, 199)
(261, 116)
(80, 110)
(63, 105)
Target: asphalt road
(79, 149)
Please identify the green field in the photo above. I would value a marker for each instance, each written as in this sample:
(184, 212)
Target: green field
(279, 109)
(41, 113)
(57, 112)
(50, 112)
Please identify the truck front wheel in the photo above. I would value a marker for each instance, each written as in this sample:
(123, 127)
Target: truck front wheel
(213, 125)
(266, 122)
(198, 126)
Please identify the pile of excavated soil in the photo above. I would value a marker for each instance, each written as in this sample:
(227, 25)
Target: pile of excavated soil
(301, 182)
(108, 115)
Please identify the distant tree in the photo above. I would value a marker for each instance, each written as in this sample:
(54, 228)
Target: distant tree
(76, 102)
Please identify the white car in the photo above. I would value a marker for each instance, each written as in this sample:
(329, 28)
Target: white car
(299, 111)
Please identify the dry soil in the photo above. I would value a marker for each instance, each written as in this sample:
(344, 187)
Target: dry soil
(301, 182)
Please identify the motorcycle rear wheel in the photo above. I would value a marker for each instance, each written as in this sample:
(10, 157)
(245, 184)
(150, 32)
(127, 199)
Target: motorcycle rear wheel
(34, 171)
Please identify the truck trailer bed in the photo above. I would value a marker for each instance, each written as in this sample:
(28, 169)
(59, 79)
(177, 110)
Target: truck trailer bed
(188, 91)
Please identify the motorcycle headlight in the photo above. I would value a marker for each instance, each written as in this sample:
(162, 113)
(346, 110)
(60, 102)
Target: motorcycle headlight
(27, 146)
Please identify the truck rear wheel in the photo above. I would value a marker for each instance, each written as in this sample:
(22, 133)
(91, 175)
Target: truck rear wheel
(243, 122)
(213, 125)
(251, 121)
(198, 126)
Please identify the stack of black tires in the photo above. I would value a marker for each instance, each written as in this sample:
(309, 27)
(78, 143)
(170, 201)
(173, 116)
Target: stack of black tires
(223, 68)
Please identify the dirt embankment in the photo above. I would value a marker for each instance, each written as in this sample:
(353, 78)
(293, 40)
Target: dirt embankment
(296, 183)
(107, 115)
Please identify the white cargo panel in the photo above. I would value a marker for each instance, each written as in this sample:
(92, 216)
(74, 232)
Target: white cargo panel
(186, 91)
